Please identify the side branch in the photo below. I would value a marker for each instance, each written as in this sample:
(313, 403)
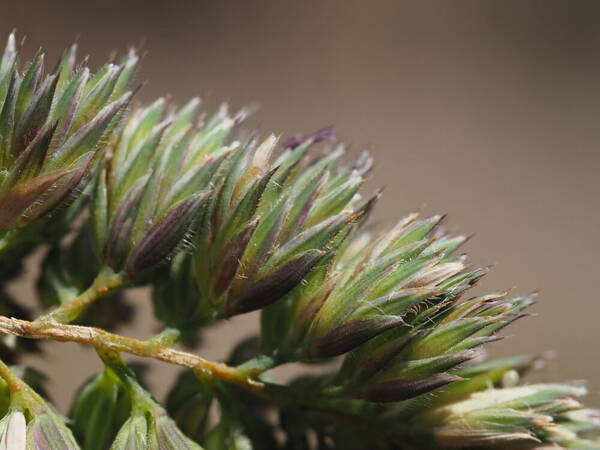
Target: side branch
(105, 283)
(148, 349)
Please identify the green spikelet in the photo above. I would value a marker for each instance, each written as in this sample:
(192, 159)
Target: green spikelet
(94, 411)
(189, 404)
(148, 425)
(149, 193)
(30, 423)
(368, 286)
(53, 128)
(267, 225)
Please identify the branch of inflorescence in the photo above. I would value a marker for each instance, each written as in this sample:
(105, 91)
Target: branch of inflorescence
(98, 338)
(105, 283)
(244, 376)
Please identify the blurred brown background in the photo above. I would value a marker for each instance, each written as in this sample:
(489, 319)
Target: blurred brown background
(486, 110)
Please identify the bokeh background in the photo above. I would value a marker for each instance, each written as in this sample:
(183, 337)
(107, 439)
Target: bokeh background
(485, 110)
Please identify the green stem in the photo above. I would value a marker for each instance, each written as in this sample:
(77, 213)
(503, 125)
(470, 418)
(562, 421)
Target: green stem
(12, 380)
(141, 400)
(106, 282)
(256, 366)
(166, 338)
(22, 396)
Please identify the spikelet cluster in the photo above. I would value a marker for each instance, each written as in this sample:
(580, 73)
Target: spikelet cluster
(220, 225)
